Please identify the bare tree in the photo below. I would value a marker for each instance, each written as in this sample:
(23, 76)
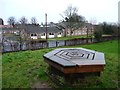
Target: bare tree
(23, 20)
(11, 20)
(72, 19)
(33, 20)
(70, 11)
(92, 21)
(17, 23)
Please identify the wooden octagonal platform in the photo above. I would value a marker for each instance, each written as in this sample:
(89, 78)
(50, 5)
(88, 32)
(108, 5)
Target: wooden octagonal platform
(75, 60)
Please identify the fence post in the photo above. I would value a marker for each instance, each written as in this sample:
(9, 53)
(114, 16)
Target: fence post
(47, 44)
(57, 43)
(86, 40)
(65, 42)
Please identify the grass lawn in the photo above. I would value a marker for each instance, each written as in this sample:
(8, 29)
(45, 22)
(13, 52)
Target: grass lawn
(23, 69)
(71, 37)
(67, 38)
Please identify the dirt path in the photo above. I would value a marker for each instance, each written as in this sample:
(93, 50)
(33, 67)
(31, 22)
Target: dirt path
(42, 85)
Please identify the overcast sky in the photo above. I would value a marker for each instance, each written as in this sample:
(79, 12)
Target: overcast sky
(99, 10)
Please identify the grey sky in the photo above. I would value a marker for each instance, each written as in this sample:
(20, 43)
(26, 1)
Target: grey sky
(99, 10)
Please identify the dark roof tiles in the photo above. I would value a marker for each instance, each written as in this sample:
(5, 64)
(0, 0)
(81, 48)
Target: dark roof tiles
(37, 29)
(34, 29)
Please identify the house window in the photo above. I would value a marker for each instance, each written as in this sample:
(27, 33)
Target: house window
(71, 32)
(43, 34)
(67, 32)
(51, 33)
(59, 33)
(33, 34)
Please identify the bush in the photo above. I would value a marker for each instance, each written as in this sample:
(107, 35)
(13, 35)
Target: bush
(98, 34)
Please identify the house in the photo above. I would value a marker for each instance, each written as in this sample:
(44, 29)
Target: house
(40, 32)
(7, 28)
(83, 30)
(86, 28)
(37, 32)
(52, 32)
(9, 32)
(32, 31)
